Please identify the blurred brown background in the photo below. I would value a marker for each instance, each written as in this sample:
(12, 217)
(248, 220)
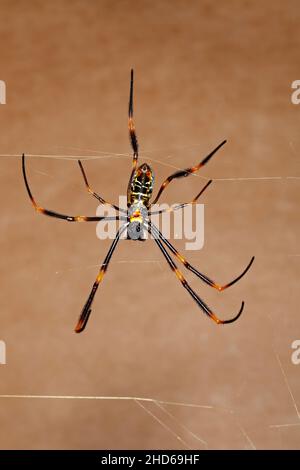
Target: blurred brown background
(205, 71)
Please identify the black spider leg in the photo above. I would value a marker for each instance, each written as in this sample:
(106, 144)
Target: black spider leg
(186, 172)
(132, 135)
(93, 193)
(191, 268)
(58, 215)
(185, 284)
(86, 311)
(184, 204)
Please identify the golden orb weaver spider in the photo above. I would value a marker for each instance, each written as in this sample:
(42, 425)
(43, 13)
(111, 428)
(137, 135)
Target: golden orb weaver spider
(137, 218)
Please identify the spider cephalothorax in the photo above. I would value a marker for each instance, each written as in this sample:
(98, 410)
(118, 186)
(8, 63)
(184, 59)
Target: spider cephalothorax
(137, 218)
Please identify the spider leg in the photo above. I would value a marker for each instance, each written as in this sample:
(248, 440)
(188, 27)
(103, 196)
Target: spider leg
(86, 311)
(69, 218)
(185, 284)
(186, 172)
(181, 206)
(132, 137)
(92, 192)
(191, 268)
(132, 133)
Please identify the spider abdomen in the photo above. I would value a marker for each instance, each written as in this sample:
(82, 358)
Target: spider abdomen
(141, 185)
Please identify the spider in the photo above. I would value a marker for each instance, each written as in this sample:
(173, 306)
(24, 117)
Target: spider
(137, 219)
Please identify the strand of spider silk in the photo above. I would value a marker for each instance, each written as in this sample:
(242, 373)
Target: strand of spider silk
(121, 155)
(108, 398)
